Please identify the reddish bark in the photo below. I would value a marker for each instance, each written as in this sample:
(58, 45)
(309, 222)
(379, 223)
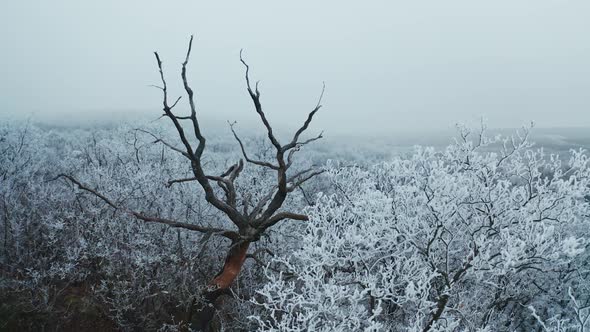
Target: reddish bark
(221, 283)
(233, 264)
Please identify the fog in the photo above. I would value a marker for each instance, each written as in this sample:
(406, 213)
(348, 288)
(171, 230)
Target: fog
(389, 66)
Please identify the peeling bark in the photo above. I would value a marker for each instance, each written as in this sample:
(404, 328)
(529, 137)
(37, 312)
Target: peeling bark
(219, 285)
(233, 264)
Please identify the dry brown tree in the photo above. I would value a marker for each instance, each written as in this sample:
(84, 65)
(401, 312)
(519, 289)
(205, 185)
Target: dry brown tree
(250, 219)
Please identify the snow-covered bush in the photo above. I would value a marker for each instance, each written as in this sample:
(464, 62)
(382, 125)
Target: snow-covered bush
(489, 234)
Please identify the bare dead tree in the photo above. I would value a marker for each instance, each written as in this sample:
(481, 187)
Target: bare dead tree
(248, 225)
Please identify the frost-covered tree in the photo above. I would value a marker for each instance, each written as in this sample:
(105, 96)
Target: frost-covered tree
(251, 210)
(487, 235)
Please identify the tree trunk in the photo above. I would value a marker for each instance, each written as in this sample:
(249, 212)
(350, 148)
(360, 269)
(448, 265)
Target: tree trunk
(204, 312)
(441, 304)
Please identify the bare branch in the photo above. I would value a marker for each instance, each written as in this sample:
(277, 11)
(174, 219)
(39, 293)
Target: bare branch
(195, 155)
(226, 182)
(246, 203)
(291, 154)
(261, 203)
(159, 140)
(293, 142)
(171, 182)
(235, 172)
(190, 93)
(278, 217)
(168, 110)
(255, 96)
(176, 102)
(256, 162)
(296, 182)
(172, 223)
(311, 139)
(304, 179)
(264, 211)
(298, 146)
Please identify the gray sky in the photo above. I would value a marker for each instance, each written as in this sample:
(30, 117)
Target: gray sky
(388, 65)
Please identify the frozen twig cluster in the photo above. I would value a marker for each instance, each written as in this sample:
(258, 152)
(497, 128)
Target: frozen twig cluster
(460, 239)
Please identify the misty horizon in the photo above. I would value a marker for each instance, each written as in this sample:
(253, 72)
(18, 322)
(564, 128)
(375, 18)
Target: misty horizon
(388, 66)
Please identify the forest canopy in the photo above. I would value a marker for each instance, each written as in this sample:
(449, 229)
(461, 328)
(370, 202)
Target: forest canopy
(487, 234)
(165, 226)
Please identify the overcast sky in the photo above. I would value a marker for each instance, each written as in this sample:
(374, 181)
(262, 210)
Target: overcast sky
(388, 65)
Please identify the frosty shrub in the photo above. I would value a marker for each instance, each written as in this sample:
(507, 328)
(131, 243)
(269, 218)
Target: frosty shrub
(489, 234)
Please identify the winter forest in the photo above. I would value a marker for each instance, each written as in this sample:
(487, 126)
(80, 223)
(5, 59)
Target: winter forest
(295, 166)
(169, 226)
